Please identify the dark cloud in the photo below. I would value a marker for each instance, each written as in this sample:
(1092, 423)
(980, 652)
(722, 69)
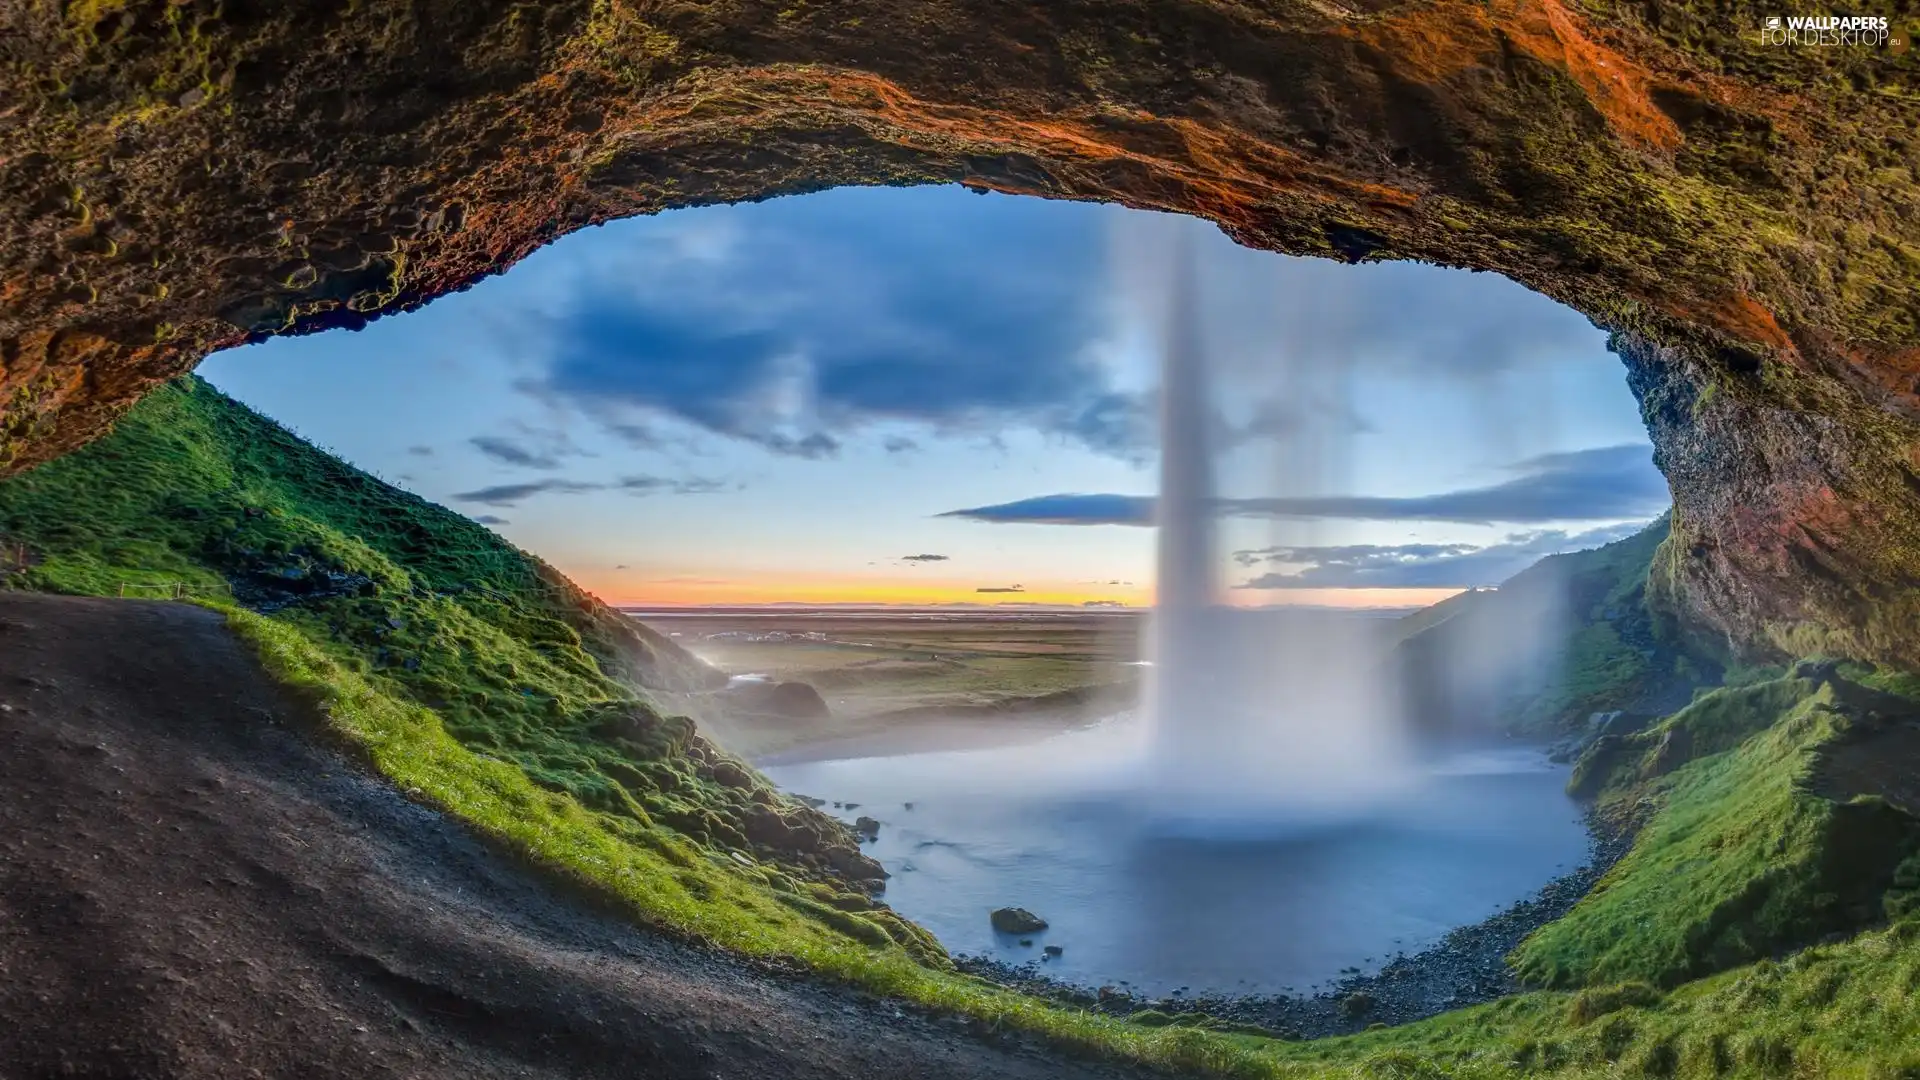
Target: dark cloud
(638, 436)
(1354, 566)
(490, 519)
(1001, 589)
(661, 485)
(1066, 510)
(900, 444)
(512, 494)
(1605, 483)
(509, 452)
(815, 446)
(923, 558)
(420, 451)
(836, 312)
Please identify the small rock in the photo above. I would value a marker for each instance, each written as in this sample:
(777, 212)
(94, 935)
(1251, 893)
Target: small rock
(1817, 670)
(1013, 920)
(1053, 950)
(867, 828)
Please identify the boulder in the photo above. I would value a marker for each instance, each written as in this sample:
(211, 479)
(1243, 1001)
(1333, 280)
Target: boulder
(867, 828)
(787, 700)
(1013, 920)
(1675, 749)
(732, 774)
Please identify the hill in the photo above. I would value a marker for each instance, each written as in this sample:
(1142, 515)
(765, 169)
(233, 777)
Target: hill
(194, 494)
(1571, 635)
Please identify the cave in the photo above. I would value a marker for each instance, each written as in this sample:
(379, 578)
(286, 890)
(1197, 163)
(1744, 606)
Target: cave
(180, 176)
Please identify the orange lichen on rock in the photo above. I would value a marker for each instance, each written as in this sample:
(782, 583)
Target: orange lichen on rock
(1739, 316)
(1437, 42)
(1225, 169)
(1743, 315)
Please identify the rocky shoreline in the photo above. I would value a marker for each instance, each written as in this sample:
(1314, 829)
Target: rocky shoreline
(1467, 967)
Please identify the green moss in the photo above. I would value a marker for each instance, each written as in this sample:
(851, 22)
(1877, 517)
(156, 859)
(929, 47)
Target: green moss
(516, 714)
(193, 493)
(1741, 859)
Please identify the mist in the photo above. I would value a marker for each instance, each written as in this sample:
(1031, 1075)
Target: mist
(1263, 716)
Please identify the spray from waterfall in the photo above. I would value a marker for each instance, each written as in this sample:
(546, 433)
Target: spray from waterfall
(1257, 715)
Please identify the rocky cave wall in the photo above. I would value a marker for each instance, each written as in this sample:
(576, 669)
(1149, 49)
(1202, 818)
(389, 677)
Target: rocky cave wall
(179, 176)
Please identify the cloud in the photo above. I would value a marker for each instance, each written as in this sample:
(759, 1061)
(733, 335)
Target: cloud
(1600, 484)
(1356, 566)
(827, 314)
(508, 452)
(490, 519)
(1001, 589)
(900, 444)
(420, 451)
(661, 485)
(1065, 510)
(513, 494)
(815, 446)
(923, 558)
(1395, 317)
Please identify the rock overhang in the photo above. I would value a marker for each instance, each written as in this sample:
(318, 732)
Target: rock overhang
(180, 176)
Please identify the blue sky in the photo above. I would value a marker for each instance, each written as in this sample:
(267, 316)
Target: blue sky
(929, 395)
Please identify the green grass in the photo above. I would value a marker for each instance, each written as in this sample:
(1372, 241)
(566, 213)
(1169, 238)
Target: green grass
(1738, 860)
(662, 878)
(431, 608)
(1607, 646)
(1741, 860)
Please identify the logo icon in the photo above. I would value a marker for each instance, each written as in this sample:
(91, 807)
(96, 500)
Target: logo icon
(1773, 23)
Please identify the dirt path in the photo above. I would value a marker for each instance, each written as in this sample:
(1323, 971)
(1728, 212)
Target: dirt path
(189, 887)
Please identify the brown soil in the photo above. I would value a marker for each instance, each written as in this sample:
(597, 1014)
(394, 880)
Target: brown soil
(190, 886)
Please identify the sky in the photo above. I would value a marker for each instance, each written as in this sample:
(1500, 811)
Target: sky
(928, 395)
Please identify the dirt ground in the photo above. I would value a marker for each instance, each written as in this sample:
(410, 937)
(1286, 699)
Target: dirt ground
(191, 887)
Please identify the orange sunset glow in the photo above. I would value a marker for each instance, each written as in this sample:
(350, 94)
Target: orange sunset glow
(637, 589)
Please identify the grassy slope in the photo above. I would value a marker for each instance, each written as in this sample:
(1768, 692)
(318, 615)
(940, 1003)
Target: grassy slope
(427, 607)
(1742, 859)
(168, 497)
(1611, 649)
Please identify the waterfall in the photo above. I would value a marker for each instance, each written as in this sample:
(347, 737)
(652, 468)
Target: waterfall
(1256, 715)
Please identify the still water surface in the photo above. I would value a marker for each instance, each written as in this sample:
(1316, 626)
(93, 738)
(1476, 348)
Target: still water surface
(1229, 905)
